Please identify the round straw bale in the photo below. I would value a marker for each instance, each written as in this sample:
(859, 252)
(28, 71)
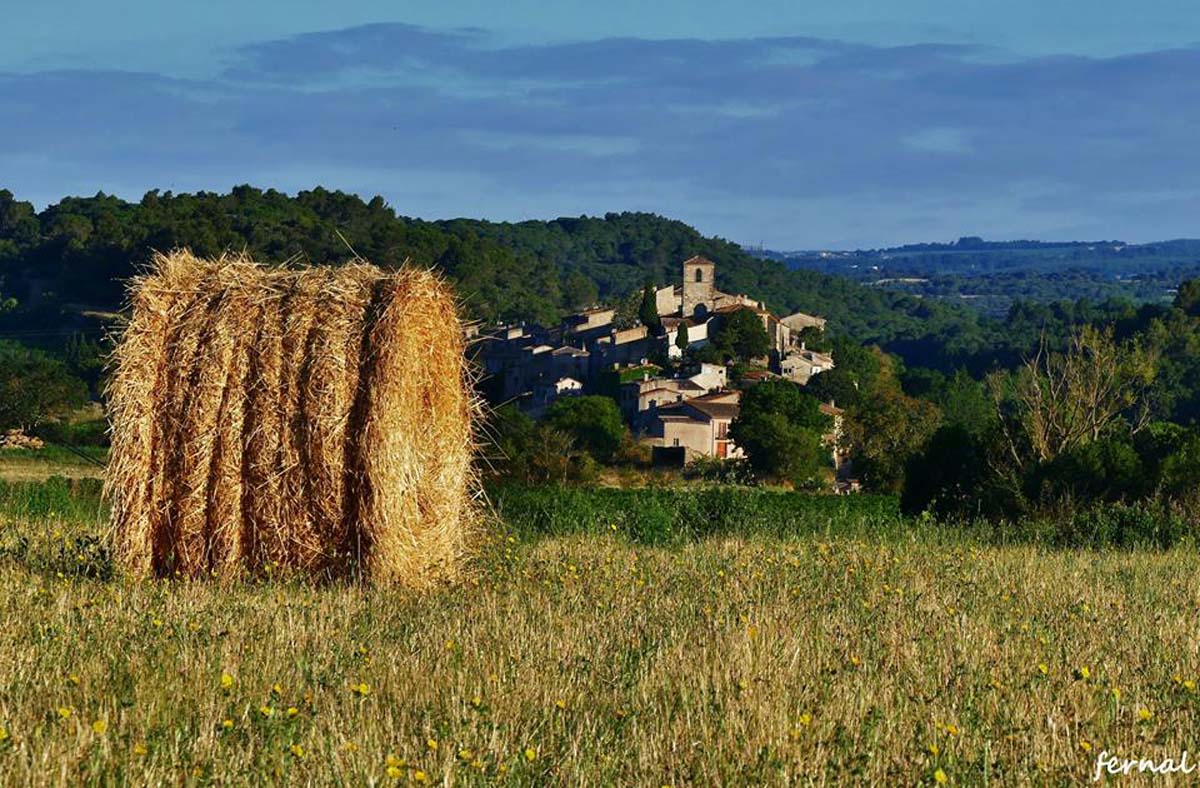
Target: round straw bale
(314, 420)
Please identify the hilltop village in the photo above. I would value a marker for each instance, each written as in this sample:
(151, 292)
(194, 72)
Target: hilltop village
(680, 406)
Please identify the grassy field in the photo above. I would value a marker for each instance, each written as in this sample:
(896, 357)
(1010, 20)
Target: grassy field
(41, 464)
(589, 648)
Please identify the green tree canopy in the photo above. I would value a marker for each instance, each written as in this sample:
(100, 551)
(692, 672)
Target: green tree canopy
(739, 336)
(781, 428)
(681, 337)
(593, 421)
(517, 447)
(35, 388)
(886, 428)
(648, 311)
(1187, 296)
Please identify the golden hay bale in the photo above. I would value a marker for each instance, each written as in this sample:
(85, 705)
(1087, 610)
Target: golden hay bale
(317, 420)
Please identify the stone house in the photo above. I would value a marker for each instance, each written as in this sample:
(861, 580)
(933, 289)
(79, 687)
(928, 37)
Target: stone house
(698, 426)
(800, 365)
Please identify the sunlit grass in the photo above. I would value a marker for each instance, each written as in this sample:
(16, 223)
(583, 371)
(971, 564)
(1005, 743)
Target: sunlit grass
(591, 659)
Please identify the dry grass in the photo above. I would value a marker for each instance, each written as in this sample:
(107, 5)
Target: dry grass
(316, 420)
(18, 470)
(760, 661)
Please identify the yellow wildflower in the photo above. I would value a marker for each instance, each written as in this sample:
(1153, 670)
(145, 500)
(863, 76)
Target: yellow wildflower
(805, 719)
(100, 727)
(361, 690)
(432, 744)
(530, 754)
(395, 772)
(1044, 669)
(392, 760)
(1085, 745)
(139, 749)
(297, 750)
(226, 681)
(64, 712)
(266, 711)
(420, 777)
(292, 711)
(226, 723)
(1145, 714)
(940, 777)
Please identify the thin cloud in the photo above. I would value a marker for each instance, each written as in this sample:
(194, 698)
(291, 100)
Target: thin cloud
(799, 142)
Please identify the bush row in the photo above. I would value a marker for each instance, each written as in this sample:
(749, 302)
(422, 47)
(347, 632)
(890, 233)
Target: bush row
(677, 515)
(666, 516)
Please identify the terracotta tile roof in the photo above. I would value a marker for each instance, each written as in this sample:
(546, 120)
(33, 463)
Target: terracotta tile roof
(716, 410)
(706, 409)
(730, 308)
(829, 409)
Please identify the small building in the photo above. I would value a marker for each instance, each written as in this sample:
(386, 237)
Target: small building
(589, 319)
(697, 333)
(546, 392)
(667, 300)
(711, 377)
(801, 365)
(700, 426)
(639, 399)
(799, 321)
(627, 346)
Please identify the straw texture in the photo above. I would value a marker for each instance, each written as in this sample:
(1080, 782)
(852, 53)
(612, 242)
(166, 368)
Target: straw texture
(316, 420)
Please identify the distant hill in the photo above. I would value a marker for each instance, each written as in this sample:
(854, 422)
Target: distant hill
(990, 275)
(71, 259)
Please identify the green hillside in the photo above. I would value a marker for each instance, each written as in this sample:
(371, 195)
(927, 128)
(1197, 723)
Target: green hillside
(72, 258)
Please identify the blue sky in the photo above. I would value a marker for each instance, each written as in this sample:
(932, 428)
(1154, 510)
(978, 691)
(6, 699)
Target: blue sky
(796, 124)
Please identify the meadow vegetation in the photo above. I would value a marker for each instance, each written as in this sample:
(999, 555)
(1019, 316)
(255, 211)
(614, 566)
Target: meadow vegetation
(654, 637)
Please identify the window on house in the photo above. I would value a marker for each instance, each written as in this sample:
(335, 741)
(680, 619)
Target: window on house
(676, 441)
(699, 274)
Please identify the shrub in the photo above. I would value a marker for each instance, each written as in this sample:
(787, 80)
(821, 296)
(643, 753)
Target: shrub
(593, 421)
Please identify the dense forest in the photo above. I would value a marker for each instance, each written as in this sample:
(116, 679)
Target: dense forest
(62, 269)
(71, 259)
